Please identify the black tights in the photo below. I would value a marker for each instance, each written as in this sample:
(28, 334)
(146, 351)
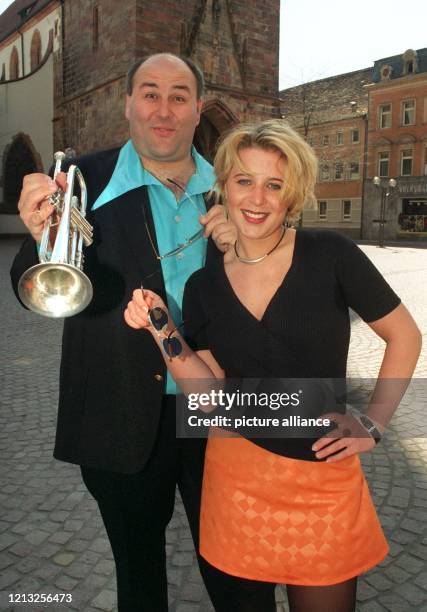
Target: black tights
(339, 597)
(233, 594)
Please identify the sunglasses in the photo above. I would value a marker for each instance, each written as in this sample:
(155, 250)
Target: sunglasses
(159, 319)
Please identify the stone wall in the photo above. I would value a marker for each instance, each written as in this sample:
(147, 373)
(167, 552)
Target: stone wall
(235, 42)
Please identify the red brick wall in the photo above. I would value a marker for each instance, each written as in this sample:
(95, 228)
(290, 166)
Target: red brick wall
(400, 137)
(89, 111)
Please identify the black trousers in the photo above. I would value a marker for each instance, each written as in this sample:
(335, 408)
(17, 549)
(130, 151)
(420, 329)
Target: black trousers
(136, 509)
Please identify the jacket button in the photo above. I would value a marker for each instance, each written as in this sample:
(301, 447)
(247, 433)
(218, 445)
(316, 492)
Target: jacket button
(158, 377)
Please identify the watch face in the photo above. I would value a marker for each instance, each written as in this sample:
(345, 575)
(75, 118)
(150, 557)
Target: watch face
(367, 423)
(370, 427)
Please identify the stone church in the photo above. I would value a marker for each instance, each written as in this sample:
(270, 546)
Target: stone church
(63, 65)
(235, 42)
(92, 43)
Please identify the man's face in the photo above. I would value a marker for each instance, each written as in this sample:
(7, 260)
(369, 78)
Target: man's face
(163, 110)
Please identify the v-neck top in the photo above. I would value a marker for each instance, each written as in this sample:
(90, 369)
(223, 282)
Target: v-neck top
(305, 329)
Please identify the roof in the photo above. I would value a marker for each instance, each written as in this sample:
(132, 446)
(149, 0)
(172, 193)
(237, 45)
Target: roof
(343, 96)
(18, 13)
(397, 63)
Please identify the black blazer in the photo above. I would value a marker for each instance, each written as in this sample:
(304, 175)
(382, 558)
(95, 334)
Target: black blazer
(112, 378)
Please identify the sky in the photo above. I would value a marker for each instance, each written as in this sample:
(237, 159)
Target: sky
(321, 38)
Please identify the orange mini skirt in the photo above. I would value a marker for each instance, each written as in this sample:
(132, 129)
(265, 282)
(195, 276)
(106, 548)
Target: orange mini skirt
(270, 518)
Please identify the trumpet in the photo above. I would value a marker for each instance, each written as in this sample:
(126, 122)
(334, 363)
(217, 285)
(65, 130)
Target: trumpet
(57, 286)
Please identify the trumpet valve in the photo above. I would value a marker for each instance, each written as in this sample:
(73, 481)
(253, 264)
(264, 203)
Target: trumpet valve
(57, 200)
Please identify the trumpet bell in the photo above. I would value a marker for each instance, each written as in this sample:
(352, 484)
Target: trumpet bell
(55, 290)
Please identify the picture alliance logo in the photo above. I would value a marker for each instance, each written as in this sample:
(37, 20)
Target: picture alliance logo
(237, 399)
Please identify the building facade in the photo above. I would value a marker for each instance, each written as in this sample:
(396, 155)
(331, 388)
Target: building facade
(29, 41)
(397, 134)
(331, 114)
(365, 124)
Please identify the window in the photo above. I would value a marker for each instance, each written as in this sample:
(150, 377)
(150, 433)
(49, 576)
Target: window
(340, 138)
(95, 28)
(383, 163)
(410, 60)
(354, 171)
(14, 65)
(339, 171)
(354, 136)
(385, 72)
(425, 161)
(408, 112)
(406, 163)
(324, 172)
(325, 140)
(323, 210)
(385, 116)
(346, 210)
(36, 50)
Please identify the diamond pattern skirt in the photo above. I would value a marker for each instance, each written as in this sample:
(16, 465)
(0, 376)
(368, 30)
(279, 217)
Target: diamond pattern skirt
(271, 518)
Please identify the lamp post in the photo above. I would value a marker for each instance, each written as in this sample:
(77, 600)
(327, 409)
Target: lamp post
(386, 191)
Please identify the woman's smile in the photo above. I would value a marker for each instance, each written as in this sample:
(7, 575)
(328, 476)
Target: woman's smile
(250, 216)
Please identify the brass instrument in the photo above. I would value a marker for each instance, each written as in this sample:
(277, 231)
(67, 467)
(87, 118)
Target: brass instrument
(57, 286)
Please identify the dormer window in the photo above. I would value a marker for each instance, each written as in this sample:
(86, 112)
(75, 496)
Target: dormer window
(410, 62)
(385, 72)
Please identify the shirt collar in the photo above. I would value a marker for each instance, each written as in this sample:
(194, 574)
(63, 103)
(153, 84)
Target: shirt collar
(129, 173)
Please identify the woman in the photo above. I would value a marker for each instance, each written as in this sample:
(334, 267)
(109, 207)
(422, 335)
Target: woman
(294, 511)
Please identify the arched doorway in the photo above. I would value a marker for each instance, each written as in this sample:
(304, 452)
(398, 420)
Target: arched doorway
(215, 120)
(20, 158)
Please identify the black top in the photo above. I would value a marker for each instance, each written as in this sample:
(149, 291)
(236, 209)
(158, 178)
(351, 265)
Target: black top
(305, 330)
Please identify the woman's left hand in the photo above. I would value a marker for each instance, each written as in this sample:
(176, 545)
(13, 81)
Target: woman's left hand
(348, 438)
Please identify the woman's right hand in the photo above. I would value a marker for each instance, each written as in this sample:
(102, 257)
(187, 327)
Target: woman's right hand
(136, 313)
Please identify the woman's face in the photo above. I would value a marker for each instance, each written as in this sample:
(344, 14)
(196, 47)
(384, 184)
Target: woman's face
(254, 195)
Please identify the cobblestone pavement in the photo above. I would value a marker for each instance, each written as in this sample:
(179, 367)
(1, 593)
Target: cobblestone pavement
(51, 537)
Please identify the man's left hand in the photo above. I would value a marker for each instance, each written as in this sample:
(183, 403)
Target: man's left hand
(222, 231)
(348, 438)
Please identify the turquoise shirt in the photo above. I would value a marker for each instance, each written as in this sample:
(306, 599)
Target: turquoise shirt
(174, 221)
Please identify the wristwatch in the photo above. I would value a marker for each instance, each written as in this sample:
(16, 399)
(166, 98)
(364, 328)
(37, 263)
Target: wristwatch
(370, 427)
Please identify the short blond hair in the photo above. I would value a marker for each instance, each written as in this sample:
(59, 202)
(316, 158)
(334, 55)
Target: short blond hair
(277, 135)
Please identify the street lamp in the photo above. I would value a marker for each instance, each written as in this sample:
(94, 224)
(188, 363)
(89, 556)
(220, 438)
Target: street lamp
(386, 191)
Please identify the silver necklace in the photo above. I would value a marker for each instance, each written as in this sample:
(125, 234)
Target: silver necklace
(258, 259)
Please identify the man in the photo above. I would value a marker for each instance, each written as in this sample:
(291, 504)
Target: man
(116, 414)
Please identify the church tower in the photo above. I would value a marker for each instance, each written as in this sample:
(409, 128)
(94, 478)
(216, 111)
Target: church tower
(235, 42)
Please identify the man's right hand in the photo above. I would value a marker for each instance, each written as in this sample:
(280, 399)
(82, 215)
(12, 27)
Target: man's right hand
(33, 205)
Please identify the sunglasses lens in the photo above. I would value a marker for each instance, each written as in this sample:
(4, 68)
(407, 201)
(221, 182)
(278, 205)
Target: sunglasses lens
(158, 318)
(172, 347)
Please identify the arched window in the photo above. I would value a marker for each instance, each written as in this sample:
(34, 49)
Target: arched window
(410, 62)
(3, 73)
(216, 119)
(14, 65)
(20, 159)
(36, 50)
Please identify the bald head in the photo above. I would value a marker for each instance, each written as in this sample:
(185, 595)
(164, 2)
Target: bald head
(151, 59)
